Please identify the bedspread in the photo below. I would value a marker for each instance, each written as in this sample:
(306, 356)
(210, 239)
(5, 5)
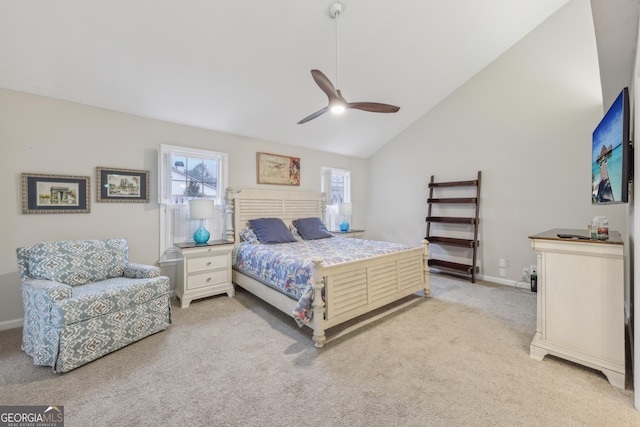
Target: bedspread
(289, 266)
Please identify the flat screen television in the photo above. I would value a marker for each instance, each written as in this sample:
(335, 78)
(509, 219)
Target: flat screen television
(611, 154)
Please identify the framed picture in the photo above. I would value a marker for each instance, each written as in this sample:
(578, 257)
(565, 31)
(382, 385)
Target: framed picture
(276, 169)
(55, 194)
(122, 185)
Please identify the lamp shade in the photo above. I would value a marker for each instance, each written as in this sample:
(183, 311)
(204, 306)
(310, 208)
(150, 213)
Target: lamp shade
(344, 209)
(201, 209)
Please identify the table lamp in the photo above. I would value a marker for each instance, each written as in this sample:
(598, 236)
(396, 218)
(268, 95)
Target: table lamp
(201, 209)
(344, 209)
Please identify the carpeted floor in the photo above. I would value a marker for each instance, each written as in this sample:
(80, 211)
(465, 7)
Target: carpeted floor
(458, 358)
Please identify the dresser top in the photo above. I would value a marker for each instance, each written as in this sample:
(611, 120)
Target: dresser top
(614, 236)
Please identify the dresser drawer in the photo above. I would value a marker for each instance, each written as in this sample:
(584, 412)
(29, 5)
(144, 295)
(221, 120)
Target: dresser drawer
(207, 279)
(209, 262)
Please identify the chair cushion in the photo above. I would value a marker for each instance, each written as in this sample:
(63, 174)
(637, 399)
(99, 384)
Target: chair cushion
(76, 262)
(107, 296)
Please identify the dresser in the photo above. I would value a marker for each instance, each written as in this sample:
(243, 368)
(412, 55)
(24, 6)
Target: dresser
(580, 307)
(205, 270)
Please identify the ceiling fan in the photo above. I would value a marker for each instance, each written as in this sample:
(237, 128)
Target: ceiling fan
(337, 103)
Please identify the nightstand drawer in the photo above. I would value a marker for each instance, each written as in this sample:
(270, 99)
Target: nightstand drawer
(207, 279)
(210, 262)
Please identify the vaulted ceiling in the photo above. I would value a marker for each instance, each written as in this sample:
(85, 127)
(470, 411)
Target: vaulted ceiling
(616, 28)
(243, 66)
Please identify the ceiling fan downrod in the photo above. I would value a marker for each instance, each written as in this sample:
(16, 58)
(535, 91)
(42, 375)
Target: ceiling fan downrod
(334, 11)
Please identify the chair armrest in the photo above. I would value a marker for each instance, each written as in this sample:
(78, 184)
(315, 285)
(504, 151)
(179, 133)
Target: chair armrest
(47, 289)
(140, 271)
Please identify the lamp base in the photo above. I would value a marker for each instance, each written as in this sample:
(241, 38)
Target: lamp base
(344, 226)
(201, 235)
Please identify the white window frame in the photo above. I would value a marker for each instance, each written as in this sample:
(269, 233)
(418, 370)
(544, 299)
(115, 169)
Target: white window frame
(332, 217)
(173, 213)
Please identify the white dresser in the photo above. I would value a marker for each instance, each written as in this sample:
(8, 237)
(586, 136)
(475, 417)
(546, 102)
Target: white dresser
(581, 301)
(205, 270)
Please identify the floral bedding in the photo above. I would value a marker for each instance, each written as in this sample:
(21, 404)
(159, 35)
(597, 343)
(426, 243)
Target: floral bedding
(289, 266)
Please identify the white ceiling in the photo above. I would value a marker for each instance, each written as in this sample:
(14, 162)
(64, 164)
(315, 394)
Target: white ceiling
(616, 28)
(243, 66)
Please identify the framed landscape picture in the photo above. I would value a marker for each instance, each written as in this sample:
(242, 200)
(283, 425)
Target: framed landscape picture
(122, 185)
(277, 169)
(55, 193)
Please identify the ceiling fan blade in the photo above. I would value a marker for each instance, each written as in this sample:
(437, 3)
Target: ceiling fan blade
(341, 98)
(373, 107)
(314, 115)
(325, 84)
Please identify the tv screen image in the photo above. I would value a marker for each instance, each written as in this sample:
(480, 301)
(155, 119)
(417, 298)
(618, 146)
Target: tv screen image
(610, 154)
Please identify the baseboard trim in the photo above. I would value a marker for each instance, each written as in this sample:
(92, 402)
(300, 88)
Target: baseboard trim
(11, 324)
(502, 281)
(498, 280)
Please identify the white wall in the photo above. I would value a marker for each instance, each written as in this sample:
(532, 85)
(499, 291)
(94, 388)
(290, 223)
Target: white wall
(634, 226)
(526, 122)
(43, 135)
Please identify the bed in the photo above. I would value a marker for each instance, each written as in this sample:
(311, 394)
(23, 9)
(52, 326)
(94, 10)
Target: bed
(342, 291)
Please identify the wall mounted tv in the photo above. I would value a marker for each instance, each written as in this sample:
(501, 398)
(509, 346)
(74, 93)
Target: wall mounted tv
(611, 154)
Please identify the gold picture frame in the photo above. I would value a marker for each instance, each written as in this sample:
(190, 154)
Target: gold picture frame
(277, 169)
(122, 185)
(43, 193)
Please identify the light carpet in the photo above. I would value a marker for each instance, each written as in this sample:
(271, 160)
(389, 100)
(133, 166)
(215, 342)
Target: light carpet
(458, 358)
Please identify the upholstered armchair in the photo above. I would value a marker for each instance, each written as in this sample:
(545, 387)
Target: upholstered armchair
(83, 299)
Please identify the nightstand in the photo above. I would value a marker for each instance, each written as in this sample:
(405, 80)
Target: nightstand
(352, 232)
(205, 270)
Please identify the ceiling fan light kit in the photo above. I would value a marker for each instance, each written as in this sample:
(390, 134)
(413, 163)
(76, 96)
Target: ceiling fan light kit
(337, 104)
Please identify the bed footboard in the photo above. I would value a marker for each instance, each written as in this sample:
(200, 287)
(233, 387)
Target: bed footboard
(358, 287)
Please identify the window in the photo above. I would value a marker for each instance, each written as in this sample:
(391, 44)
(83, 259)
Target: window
(184, 174)
(336, 184)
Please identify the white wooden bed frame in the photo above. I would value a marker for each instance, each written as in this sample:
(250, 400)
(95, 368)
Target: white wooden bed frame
(352, 288)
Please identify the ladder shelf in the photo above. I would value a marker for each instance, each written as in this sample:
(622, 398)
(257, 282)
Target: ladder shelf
(470, 268)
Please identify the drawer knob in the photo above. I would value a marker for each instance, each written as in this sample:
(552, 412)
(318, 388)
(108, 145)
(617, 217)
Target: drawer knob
(208, 279)
(209, 263)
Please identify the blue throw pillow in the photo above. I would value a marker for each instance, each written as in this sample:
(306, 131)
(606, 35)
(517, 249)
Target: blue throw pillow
(311, 228)
(271, 230)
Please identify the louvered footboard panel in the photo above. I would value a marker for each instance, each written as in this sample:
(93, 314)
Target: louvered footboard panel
(383, 280)
(346, 291)
(410, 273)
(349, 291)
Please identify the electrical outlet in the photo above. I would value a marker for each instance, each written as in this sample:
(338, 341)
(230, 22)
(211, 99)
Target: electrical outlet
(525, 273)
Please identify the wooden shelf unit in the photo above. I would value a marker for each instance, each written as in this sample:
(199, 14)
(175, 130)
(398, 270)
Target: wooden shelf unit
(470, 268)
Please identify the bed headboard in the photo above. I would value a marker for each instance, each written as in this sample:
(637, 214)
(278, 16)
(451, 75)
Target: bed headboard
(251, 203)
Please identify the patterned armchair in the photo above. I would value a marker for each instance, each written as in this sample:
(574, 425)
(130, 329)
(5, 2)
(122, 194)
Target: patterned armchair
(83, 299)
